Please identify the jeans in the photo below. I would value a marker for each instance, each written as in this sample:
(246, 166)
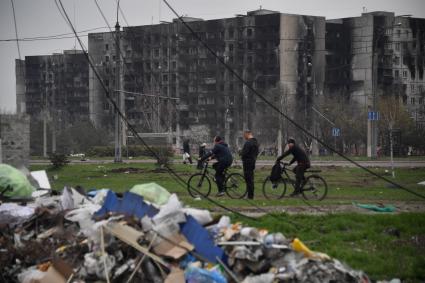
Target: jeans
(219, 175)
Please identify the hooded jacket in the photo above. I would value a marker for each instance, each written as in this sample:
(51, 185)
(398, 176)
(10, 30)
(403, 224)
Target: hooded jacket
(221, 152)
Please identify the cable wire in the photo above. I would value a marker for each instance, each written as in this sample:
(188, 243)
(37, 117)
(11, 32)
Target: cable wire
(305, 131)
(171, 171)
(16, 30)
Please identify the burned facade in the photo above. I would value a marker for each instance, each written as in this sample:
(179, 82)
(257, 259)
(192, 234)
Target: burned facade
(377, 53)
(174, 84)
(53, 90)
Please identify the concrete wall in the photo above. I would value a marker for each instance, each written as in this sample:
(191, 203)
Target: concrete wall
(15, 139)
(302, 63)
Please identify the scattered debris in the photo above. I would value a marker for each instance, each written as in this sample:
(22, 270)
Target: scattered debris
(148, 236)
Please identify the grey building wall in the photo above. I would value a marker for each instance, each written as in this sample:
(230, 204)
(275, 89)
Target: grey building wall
(15, 139)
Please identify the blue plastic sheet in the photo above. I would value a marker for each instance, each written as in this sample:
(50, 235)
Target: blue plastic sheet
(130, 204)
(198, 236)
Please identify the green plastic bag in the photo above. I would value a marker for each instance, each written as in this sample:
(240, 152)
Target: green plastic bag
(152, 192)
(11, 177)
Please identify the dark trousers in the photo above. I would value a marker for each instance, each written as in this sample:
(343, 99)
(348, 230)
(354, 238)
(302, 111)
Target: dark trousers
(248, 173)
(219, 175)
(299, 171)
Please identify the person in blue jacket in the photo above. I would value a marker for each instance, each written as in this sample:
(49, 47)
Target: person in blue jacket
(222, 154)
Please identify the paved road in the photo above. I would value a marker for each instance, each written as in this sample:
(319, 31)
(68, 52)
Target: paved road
(318, 163)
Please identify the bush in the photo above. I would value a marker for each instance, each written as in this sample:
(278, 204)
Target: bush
(58, 160)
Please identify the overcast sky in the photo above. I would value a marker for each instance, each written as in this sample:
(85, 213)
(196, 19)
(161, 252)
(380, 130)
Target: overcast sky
(41, 18)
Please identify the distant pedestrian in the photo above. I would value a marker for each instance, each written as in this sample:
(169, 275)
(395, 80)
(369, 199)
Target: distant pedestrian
(249, 155)
(186, 151)
(202, 151)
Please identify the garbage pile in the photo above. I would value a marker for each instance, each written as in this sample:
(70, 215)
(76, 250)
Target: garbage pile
(147, 235)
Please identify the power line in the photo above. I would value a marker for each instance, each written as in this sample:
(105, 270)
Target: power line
(130, 126)
(54, 36)
(16, 29)
(283, 114)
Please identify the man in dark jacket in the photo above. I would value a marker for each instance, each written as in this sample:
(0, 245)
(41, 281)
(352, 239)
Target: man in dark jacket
(249, 155)
(303, 163)
(224, 158)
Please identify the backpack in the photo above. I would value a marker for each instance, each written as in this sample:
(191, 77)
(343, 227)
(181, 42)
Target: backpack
(276, 171)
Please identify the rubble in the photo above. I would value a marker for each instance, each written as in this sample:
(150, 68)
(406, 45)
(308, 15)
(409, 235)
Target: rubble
(100, 237)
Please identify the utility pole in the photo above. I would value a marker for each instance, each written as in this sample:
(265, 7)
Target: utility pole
(53, 117)
(45, 115)
(118, 96)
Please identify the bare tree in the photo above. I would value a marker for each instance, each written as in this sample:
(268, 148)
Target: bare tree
(393, 115)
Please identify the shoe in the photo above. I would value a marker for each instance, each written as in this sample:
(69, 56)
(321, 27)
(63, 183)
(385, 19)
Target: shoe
(219, 194)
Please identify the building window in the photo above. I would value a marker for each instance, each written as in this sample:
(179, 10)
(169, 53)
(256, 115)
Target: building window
(397, 61)
(174, 65)
(165, 78)
(398, 33)
(397, 46)
(156, 53)
(404, 74)
(106, 58)
(412, 88)
(231, 33)
(421, 100)
(106, 46)
(249, 32)
(412, 100)
(210, 100)
(249, 45)
(230, 47)
(396, 74)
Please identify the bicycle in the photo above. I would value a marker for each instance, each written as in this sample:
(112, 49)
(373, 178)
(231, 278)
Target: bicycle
(200, 184)
(313, 186)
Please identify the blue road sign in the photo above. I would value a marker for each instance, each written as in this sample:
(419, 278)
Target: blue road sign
(336, 132)
(373, 115)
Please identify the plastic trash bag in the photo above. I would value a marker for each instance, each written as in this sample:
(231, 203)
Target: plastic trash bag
(152, 192)
(201, 215)
(14, 179)
(199, 275)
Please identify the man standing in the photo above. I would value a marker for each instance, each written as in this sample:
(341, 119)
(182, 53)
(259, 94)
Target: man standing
(303, 163)
(186, 152)
(224, 158)
(249, 155)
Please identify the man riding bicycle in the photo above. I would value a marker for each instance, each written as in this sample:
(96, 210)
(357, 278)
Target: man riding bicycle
(224, 158)
(303, 163)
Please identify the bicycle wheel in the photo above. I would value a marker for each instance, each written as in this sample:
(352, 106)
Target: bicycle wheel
(315, 188)
(199, 185)
(235, 186)
(274, 190)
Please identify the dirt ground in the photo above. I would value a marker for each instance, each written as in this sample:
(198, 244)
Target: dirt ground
(401, 206)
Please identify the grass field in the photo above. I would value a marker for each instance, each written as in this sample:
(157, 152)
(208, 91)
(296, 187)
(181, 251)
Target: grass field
(367, 242)
(345, 184)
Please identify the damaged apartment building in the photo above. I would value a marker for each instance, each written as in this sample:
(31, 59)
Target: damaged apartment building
(173, 84)
(53, 91)
(377, 53)
(174, 87)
